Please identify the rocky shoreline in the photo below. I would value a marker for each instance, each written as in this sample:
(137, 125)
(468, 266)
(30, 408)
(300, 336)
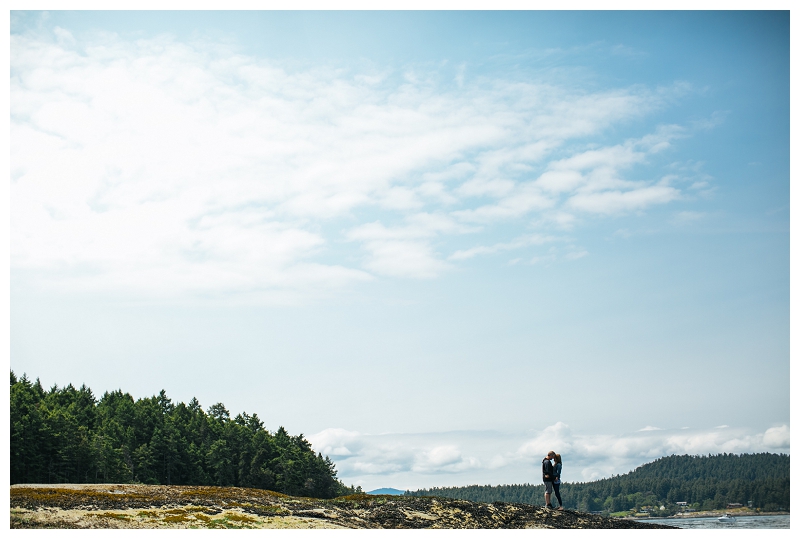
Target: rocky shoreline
(715, 514)
(157, 506)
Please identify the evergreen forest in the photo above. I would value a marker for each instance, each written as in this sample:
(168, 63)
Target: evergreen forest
(67, 435)
(703, 482)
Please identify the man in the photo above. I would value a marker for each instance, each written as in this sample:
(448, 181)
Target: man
(548, 476)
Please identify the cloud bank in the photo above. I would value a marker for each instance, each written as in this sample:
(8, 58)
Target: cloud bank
(166, 168)
(412, 461)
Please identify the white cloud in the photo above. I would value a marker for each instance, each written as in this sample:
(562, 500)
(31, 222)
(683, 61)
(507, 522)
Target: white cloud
(592, 180)
(517, 202)
(406, 251)
(777, 437)
(524, 241)
(560, 219)
(412, 461)
(609, 202)
(560, 181)
(403, 258)
(166, 168)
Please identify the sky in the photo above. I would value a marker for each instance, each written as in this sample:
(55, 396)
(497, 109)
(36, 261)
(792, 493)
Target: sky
(438, 244)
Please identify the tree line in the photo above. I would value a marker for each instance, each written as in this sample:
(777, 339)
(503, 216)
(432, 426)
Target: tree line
(66, 435)
(703, 482)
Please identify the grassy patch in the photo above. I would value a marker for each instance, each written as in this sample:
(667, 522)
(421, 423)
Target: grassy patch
(359, 500)
(147, 514)
(53, 496)
(229, 523)
(118, 516)
(269, 510)
(238, 517)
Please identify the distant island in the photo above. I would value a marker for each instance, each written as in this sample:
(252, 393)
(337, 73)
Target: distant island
(666, 487)
(387, 492)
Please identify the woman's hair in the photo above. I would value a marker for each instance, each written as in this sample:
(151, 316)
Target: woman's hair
(558, 458)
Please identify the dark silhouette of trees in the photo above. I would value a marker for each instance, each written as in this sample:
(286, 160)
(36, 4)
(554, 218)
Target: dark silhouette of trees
(66, 435)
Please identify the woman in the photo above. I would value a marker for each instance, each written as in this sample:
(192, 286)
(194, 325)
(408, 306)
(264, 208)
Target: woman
(557, 482)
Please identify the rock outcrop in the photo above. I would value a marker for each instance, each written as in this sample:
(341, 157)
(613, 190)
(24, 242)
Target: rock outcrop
(150, 506)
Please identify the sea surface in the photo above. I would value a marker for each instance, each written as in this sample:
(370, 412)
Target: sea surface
(762, 521)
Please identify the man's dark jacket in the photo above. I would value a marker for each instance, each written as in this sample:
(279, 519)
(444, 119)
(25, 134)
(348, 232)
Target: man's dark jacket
(547, 471)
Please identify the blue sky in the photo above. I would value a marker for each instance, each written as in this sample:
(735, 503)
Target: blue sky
(437, 243)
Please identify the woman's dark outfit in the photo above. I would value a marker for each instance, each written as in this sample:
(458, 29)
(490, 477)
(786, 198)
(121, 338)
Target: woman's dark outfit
(557, 483)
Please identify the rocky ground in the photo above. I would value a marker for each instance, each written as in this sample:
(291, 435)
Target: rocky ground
(148, 506)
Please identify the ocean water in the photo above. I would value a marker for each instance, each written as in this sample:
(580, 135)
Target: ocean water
(763, 522)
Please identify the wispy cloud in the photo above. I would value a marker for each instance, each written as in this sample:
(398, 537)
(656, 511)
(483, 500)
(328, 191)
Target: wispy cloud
(166, 168)
(469, 457)
(406, 251)
(524, 241)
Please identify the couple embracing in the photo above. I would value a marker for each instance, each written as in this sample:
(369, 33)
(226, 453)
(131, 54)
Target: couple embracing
(551, 475)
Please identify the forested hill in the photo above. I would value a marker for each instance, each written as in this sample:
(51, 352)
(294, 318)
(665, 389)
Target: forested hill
(725, 467)
(704, 482)
(66, 435)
